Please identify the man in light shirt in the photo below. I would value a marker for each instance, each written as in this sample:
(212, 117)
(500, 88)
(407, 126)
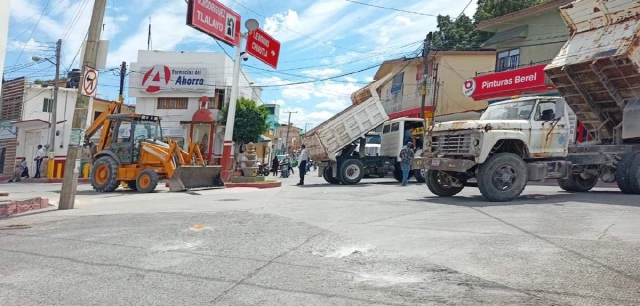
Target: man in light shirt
(302, 164)
(40, 155)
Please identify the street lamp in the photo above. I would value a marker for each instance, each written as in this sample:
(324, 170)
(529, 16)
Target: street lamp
(54, 106)
(226, 161)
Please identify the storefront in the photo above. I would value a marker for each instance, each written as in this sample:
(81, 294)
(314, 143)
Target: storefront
(527, 81)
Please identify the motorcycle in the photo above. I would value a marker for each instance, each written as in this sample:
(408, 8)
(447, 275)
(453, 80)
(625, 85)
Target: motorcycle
(263, 170)
(284, 170)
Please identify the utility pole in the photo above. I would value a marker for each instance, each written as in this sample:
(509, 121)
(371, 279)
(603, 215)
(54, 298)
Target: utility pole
(54, 107)
(123, 73)
(425, 59)
(72, 164)
(286, 144)
(436, 88)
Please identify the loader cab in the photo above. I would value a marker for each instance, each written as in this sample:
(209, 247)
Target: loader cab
(129, 131)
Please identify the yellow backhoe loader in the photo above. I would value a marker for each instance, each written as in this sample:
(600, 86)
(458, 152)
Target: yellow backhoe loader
(143, 156)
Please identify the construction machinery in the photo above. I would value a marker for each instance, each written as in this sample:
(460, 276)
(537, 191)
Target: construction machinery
(140, 156)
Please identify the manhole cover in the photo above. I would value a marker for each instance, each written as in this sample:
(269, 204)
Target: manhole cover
(229, 200)
(14, 227)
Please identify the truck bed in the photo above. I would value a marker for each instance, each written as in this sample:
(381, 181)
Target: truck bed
(597, 70)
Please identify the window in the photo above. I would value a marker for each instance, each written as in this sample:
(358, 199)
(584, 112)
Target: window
(508, 60)
(395, 126)
(509, 111)
(96, 115)
(386, 129)
(47, 106)
(396, 83)
(172, 103)
(546, 111)
(217, 102)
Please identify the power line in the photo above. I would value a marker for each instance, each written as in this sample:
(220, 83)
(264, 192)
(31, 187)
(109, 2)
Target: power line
(393, 9)
(464, 9)
(32, 31)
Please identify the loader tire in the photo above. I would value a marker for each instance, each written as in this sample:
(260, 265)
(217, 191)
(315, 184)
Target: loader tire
(503, 177)
(351, 172)
(326, 175)
(147, 181)
(576, 183)
(634, 175)
(623, 173)
(104, 174)
(437, 186)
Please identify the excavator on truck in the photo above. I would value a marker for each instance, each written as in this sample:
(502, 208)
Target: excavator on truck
(143, 157)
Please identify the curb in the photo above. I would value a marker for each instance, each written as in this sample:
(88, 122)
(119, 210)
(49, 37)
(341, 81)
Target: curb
(247, 185)
(10, 207)
(46, 181)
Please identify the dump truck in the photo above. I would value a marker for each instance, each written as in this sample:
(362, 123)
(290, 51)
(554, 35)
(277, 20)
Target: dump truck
(597, 73)
(333, 143)
(143, 157)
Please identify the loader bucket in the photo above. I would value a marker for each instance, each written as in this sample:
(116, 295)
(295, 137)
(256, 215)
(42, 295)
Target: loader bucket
(187, 177)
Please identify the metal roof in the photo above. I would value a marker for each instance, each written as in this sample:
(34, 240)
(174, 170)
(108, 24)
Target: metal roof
(511, 34)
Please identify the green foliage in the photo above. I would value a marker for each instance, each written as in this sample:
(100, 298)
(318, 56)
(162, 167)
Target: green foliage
(460, 34)
(250, 120)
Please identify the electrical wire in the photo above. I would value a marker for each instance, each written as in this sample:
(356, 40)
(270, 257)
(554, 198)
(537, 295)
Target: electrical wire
(32, 31)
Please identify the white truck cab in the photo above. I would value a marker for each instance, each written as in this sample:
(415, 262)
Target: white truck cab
(513, 142)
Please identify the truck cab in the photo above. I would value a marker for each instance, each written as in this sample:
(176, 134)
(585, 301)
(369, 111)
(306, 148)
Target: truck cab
(521, 139)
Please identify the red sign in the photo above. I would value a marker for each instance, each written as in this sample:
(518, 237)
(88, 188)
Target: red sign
(155, 78)
(507, 83)
(263, 47)
(215, 20)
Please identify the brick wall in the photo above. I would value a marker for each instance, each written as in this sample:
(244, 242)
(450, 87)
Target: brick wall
(11, 110)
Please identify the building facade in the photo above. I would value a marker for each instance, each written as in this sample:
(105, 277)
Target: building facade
(402, 95)
(289, 139)
(10, 110)
(187, 90)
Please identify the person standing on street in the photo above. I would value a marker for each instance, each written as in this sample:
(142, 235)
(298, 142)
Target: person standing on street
(406, 158)
(275, 166)
(303, 159)
(39, 156)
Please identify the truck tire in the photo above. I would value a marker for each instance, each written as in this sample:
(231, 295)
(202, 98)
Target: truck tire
(104, 174)
(421, 175)
(502, 177)
(351, 172)
(622, 172)
(633, 175)
(576, 183)
(147, 181)
(436, 186)
(326, 175)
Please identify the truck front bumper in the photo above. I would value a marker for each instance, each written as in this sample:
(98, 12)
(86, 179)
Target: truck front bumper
(443, 164)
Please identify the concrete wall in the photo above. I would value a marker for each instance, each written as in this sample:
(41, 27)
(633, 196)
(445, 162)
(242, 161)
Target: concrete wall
(546, 34)
(453, 70)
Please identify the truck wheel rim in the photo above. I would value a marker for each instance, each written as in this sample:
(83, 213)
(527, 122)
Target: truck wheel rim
(504, 177)
(352, 172)
(102, 173)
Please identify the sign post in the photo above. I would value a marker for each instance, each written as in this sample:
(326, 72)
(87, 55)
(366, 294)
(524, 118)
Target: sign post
(263, 47)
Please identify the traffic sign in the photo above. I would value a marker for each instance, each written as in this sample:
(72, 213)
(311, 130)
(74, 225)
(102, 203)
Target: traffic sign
(263, 47)
(89, 82)
(214, 19)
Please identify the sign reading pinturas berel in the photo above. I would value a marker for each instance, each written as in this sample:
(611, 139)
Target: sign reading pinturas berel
(507, 83)
(263, 47)
(163, 78)
(214, 19)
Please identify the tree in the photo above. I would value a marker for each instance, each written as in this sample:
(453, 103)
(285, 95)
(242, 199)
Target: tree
(460, 34)
(250, 120)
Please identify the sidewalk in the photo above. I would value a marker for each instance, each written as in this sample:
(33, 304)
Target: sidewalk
(5, 179)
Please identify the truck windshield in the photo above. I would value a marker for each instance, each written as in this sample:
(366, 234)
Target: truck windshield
(509, 111)
(373, 139)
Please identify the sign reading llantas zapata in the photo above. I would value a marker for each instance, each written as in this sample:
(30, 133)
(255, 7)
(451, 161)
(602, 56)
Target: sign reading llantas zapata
(162, 78)
(214, 19)
(263, 47)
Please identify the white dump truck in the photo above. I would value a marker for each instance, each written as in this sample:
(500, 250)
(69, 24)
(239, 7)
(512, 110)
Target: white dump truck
(597, 73)
(333, 143)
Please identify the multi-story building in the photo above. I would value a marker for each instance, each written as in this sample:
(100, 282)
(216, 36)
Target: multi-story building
(187, 89)
(402, 95)
(290, 138)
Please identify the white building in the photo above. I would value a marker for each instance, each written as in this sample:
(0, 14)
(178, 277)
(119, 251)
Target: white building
(187, 90)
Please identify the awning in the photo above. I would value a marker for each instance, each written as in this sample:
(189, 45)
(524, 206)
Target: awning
(263, 138)
(511, 34)
(33, 124)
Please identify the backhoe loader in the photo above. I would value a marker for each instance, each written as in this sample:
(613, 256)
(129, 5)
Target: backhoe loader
(144, 157)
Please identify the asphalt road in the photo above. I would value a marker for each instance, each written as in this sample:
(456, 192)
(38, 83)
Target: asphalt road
(372, 244)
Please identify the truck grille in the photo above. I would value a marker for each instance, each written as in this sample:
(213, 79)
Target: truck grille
(452, 144)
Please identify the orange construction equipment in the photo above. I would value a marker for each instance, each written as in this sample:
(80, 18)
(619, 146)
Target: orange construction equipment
(142, 157)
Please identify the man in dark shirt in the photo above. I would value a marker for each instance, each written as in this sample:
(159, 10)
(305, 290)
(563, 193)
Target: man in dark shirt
(406, 158)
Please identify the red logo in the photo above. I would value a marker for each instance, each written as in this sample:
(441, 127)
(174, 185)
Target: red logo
(468, 87)
(156, 78)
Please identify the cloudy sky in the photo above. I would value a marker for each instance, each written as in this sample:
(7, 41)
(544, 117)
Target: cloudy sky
(320, 39)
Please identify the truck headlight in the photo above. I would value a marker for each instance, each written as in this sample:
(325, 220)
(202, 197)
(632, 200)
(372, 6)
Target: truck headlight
(476, 142)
